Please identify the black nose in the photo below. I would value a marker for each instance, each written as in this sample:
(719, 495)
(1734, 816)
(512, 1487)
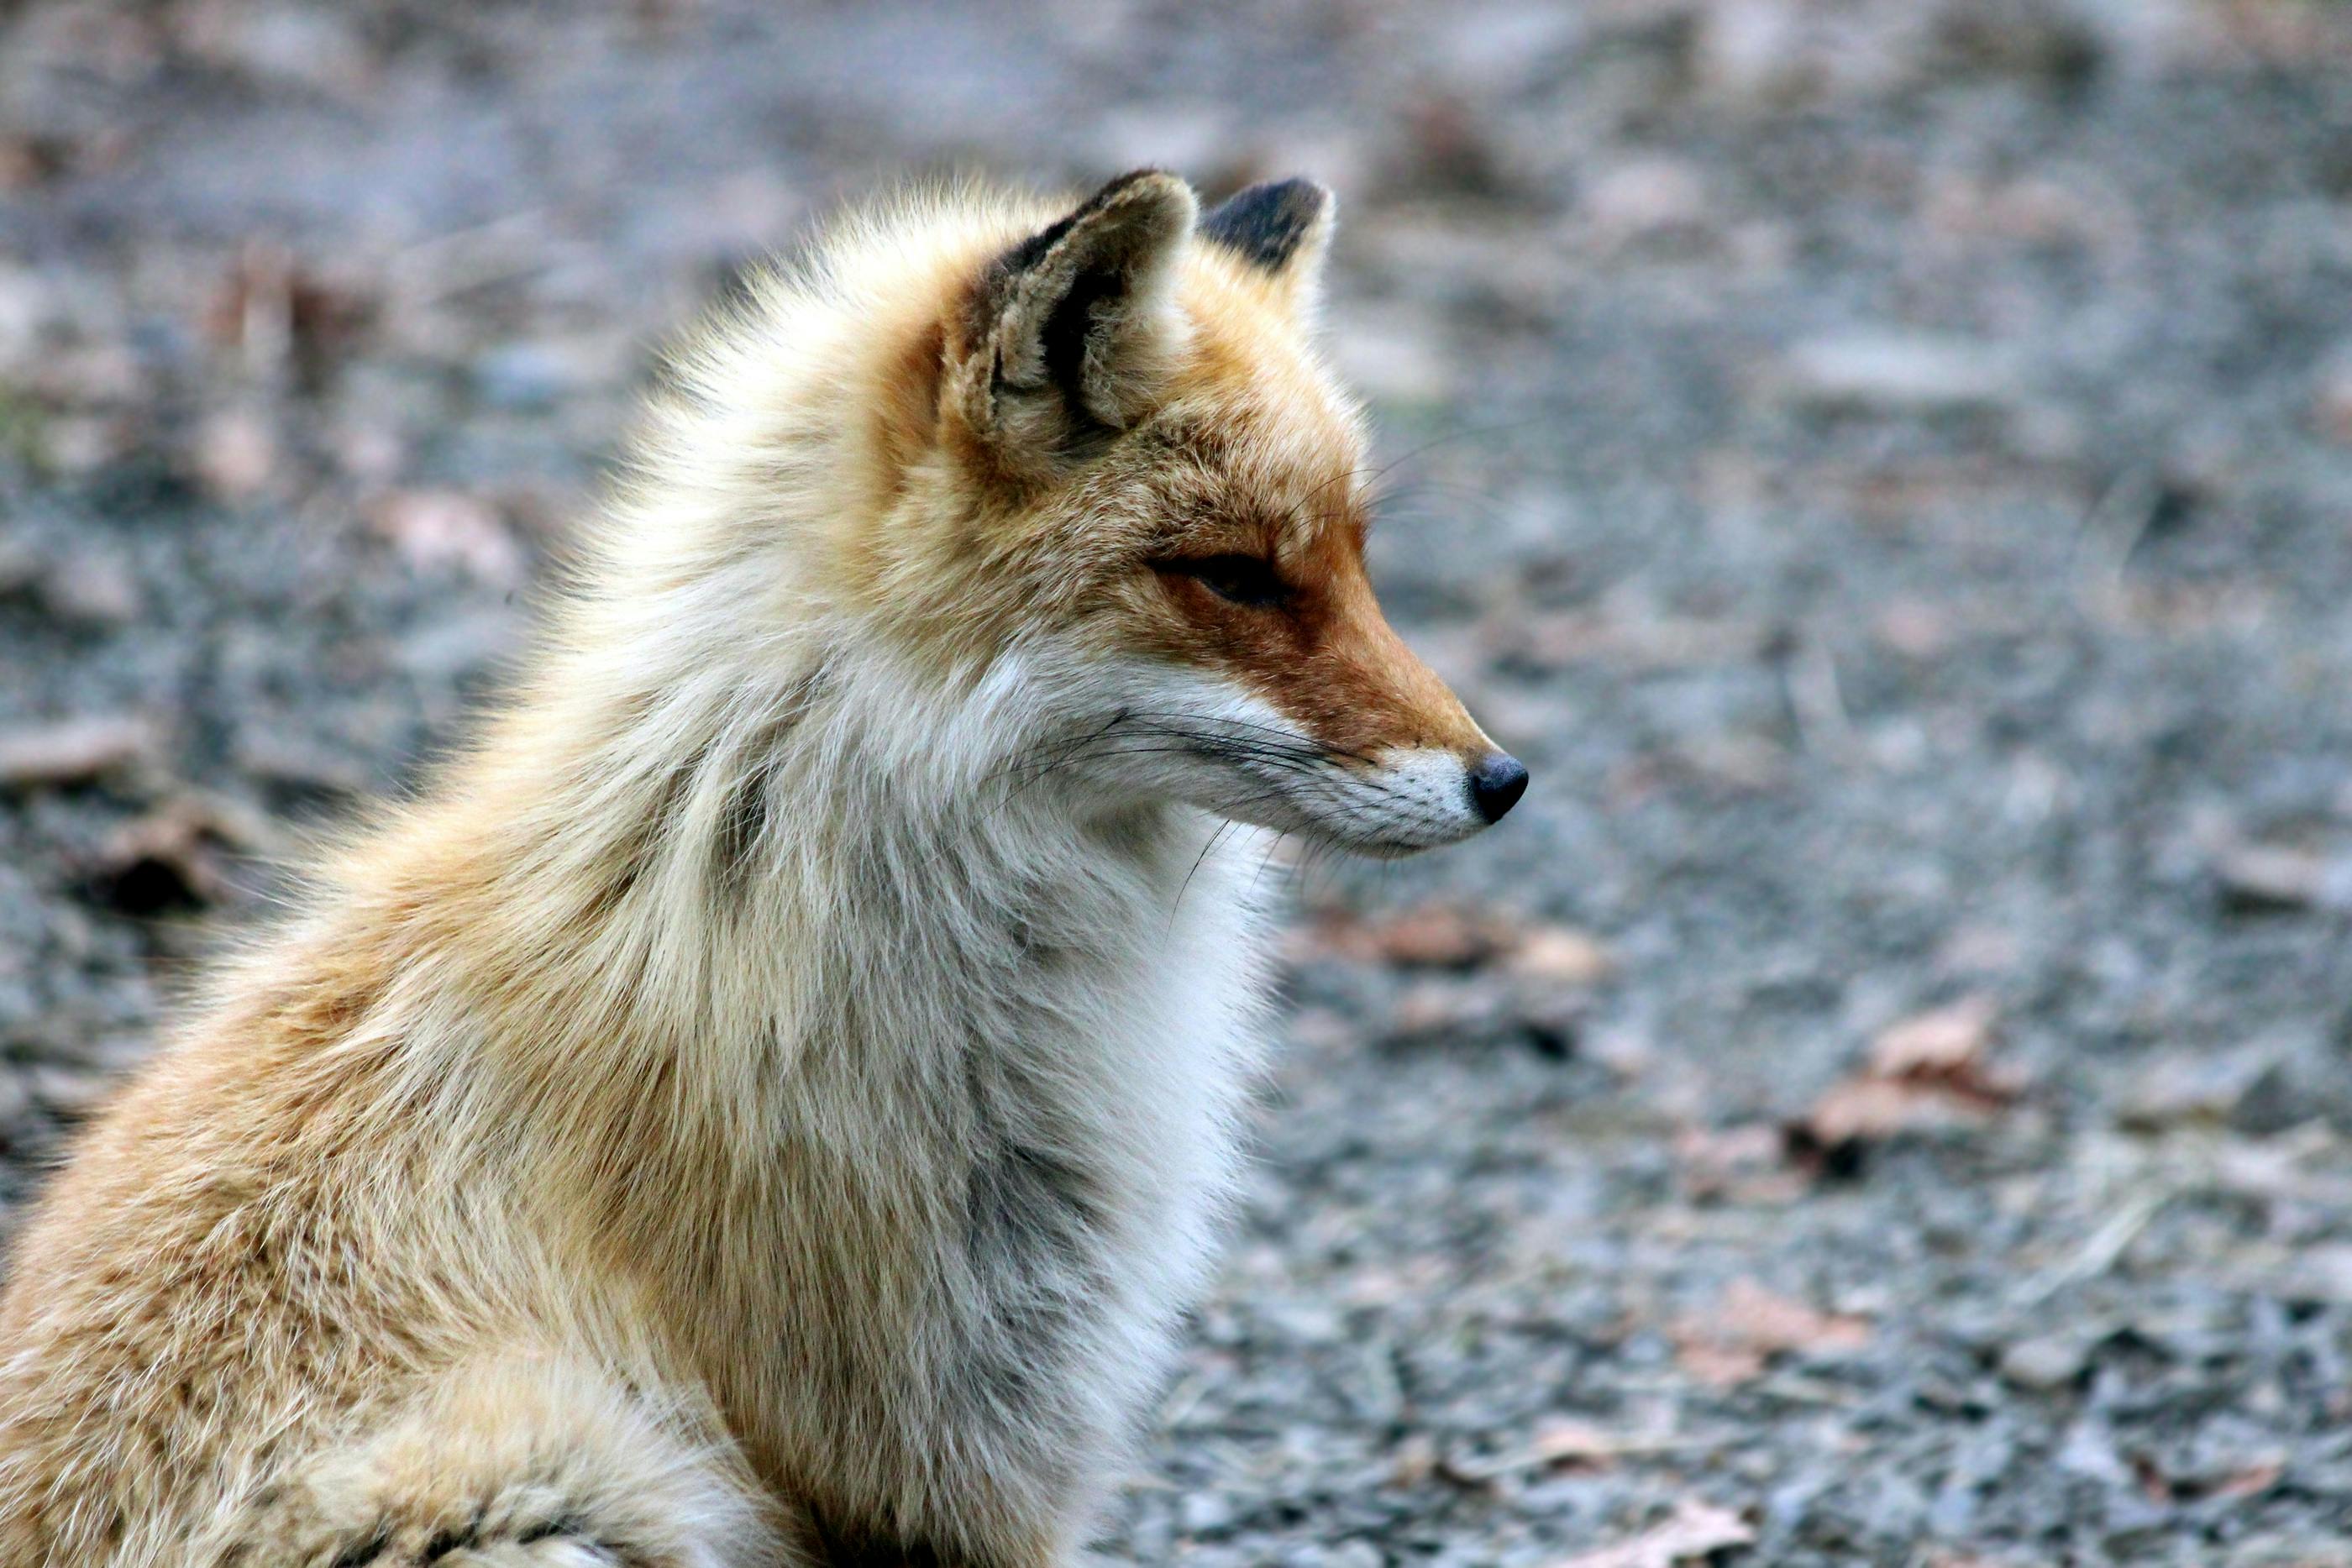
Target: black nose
(1497, 783)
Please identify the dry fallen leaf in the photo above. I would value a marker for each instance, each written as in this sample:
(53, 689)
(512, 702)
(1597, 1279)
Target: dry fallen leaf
(272, 305)
(1560, 1441)
(1872, 1110)
(177, 855)
(2263, 879)
(1695, 1531)
(1724, 1149)
(1774, 1322)
(2194, 1085)
(1742, 1162)
(1717, 1365)
(447, 528)
(1440, 1006)
(235, 455)
(1558, 955)
(73, 750)
(1749, 1325)
(1445, 936)
(1427, 936)
(1942, 1043)
(2254, 1479)
(1928, 1071)
(1414, 1461)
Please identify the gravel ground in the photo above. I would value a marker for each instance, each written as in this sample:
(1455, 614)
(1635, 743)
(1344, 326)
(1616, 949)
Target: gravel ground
(1883, 1098)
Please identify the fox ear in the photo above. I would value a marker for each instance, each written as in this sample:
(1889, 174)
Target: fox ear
(1282, 227)
(1075, 325)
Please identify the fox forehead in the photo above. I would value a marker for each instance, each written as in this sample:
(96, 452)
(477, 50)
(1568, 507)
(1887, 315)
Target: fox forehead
(1250, 478)
(1255, 436)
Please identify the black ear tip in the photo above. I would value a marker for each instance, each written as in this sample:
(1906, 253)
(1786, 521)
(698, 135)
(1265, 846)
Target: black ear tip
(1298, 190)
(1267, 224)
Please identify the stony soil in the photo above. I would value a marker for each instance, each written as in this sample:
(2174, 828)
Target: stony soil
(1887, 1097)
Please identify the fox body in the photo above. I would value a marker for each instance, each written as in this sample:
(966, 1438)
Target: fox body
(769, 1100)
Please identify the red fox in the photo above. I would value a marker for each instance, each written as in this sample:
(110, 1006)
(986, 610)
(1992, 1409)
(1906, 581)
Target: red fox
(770, 1099)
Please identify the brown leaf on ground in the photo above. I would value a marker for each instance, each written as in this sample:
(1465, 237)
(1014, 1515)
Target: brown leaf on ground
(1873, 1110)
(2195, 1085)
(1445, 937)
(435, 528)
(1946, 1043)
(1414, 1460)
(1719, 1365)
(74, 750)
(1562, 1443)
(2253, 1480)
(2279, 879)
(177, 856)
(1749, 1325)
(1693, 1533)
(1442, 1005)
(234, 453)
(1558, 955)
(272, 306)
(1928, 1071)
(1427, 937)
(1742, 1164)
(1774, 1323)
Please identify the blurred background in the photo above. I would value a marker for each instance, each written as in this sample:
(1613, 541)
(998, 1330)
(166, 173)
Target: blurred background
(1885, 1098)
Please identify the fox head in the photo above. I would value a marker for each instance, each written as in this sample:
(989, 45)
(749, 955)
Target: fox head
(1110, 460)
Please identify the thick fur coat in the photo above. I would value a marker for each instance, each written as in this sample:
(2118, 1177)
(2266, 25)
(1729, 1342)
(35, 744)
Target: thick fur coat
(769, 1099)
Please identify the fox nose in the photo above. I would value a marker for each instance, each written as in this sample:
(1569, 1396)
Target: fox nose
(1497, 781)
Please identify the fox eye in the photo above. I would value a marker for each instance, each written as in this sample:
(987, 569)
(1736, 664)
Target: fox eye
(1236, 579)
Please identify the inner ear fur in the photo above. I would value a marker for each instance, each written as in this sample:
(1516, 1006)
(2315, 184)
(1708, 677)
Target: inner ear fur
(1075, 327)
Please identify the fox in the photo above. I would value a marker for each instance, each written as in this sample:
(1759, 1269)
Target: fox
(769, 1095)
